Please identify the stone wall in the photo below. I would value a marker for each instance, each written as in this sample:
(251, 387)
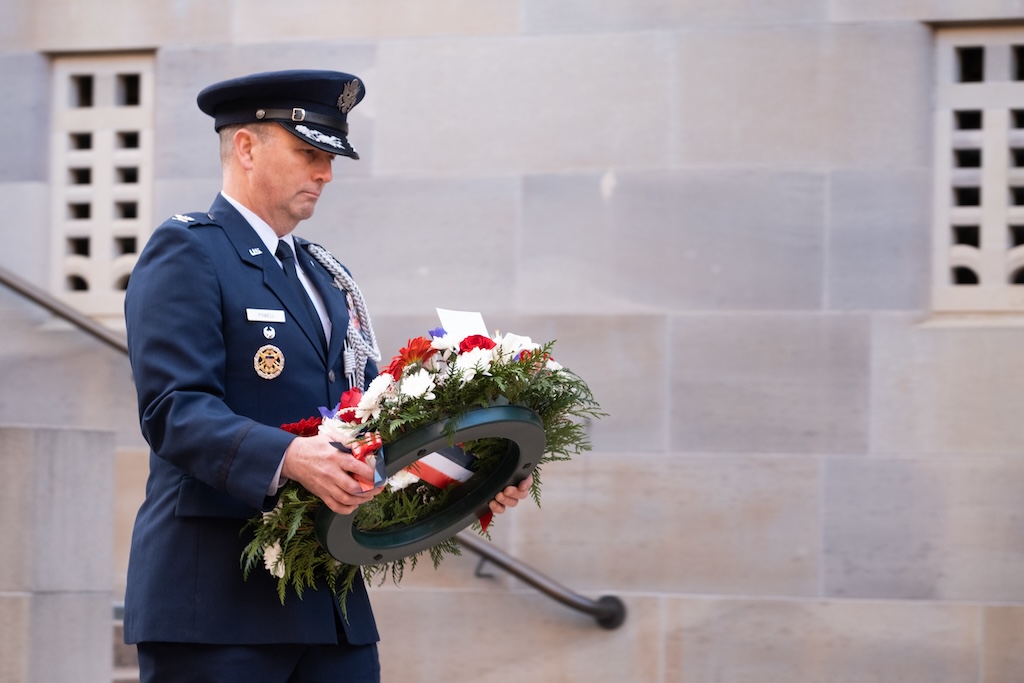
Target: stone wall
(56, 515)
(721, 210)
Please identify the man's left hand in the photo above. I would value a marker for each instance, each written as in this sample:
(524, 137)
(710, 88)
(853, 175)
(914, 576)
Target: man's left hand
(510, 496)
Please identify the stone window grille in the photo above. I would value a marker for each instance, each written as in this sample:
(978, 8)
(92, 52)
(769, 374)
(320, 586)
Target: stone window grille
(101, 177)
(978, 236)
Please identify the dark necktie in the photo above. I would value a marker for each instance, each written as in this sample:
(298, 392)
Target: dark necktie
(284, 252)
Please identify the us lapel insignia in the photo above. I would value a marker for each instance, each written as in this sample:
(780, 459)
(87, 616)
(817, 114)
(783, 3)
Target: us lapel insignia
(255, 251)
(268, 361)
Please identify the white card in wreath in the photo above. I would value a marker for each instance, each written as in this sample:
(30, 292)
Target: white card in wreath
(461, 324)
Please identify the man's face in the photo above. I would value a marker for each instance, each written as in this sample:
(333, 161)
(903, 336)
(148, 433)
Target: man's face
(287, 176)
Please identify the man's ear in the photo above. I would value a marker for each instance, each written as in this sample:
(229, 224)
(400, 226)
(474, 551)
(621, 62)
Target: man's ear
(244, 141)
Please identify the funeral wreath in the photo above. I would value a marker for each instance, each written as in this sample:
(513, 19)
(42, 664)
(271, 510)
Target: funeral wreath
(434, 379)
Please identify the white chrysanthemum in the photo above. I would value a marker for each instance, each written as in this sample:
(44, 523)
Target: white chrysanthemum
(474, 361)
(400, 479)
(337, 430)
(553, 365)
(369, 404)
(433, 362)
(511, 345)
(441, 375)
(420, 384)
(270, 513)
(447, 345)
(272, 559)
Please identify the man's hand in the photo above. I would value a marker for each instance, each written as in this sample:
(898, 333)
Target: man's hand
(328, 473)
(510, 496)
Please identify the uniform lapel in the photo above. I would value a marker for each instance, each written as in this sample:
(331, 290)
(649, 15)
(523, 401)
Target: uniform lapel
(253, 251)
(334, 300)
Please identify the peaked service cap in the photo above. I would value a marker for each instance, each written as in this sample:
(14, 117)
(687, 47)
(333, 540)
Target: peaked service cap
(312, 105)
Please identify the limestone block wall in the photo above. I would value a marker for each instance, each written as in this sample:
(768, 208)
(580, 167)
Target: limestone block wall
(56, 517)
(721, 210)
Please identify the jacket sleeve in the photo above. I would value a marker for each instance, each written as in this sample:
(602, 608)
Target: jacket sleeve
(174, 318)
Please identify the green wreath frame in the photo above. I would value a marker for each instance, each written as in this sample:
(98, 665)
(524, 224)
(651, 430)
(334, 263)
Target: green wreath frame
(521, 427)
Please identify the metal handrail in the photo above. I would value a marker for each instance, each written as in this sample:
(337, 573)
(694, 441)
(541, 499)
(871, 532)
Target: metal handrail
(609, 611)
(61, 309)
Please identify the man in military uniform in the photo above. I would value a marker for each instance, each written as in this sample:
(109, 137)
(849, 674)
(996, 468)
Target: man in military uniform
(236, 327)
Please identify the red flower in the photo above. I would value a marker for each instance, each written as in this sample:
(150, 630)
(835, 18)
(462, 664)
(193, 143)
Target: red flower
(347, 407)
(366, 445)
(538, 359)
(396, 367)
(415, 351)
(485, 520)
(307, 427)
(476, 341)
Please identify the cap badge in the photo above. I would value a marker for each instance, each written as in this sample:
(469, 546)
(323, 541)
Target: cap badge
(268, 362)
(348, 96)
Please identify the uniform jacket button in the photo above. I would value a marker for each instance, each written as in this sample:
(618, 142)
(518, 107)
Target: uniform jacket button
(330, 375)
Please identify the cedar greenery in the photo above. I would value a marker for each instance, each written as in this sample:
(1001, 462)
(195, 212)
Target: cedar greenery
(528, 378)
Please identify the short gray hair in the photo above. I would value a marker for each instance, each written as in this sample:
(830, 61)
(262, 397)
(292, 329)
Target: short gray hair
(227, 136)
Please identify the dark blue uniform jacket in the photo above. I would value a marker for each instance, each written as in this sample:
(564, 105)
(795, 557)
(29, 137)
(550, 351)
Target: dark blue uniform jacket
(196, 314)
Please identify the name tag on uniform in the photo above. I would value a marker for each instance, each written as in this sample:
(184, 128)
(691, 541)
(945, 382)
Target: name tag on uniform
(264, 315)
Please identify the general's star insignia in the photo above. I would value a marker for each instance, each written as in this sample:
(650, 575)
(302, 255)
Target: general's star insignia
(182, 218)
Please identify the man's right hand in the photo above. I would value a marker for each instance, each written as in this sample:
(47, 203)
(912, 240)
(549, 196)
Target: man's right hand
(328, 473)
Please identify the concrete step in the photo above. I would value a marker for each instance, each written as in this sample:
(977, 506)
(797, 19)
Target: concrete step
(125, 675)
(126, 659)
